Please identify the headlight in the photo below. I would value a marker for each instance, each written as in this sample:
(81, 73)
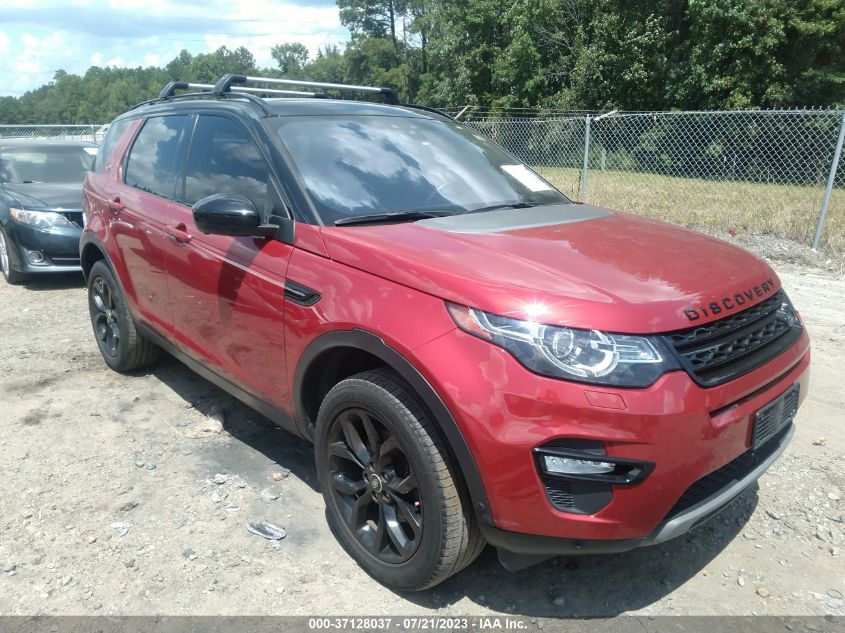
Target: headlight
(620, 360)
(40, 219)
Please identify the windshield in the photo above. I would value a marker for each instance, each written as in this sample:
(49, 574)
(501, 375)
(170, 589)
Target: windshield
(45, 164)
(354, 166)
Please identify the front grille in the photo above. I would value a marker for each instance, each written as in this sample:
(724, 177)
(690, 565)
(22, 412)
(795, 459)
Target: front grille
(719, 479)
(730, 347)
(75, 217)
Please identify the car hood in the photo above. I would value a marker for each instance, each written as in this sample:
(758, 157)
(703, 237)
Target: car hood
(564, 264)
(42, 195)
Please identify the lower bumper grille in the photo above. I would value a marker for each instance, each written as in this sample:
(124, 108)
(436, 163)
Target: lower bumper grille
(559, 494)
(719, 479)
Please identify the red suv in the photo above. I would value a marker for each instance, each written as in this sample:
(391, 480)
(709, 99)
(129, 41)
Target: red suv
(476, 358)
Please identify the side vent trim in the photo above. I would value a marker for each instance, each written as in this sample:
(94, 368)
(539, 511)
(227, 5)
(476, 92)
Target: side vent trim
(299, 294)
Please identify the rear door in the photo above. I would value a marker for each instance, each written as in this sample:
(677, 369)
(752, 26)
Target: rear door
(228, 292)
(140, 209)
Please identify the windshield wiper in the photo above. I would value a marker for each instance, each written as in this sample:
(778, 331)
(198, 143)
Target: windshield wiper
(504, 205)
(391, 216)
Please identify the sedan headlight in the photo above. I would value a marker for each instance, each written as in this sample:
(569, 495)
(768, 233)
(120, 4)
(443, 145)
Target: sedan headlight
(40, 219)
(620, 360)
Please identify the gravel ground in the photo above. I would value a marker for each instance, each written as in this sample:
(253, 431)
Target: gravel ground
(126, 495)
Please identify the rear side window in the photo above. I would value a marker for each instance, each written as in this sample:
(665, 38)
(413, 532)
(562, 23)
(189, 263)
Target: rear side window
(154, 164)
(224, 160)
(114, 134)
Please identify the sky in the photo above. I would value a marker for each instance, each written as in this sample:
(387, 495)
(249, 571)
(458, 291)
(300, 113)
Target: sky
(38, 37)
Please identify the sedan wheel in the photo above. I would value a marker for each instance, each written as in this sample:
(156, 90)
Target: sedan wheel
(10, 274)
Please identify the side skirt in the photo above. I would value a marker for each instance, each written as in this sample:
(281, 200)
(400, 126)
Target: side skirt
(276, 415)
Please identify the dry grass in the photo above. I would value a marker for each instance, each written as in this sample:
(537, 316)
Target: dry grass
(746, 208)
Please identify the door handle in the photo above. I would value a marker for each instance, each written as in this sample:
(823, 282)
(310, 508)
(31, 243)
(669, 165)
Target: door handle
(115, 205)
(179, 233)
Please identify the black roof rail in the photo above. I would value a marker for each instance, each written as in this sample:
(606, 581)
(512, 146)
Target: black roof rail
(417, 106)
(224, 89)
(208, 90)
(224, 84)
(257, 101)
(171, 87)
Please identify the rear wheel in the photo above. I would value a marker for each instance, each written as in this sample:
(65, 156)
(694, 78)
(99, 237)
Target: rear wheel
(7, 256)
(122, 347)
(392, 497)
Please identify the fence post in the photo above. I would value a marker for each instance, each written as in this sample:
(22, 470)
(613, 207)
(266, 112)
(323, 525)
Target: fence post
(583, 194)
(831, 179)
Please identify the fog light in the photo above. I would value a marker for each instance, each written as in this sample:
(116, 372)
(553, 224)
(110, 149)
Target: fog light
(34, 257)
(570, 466)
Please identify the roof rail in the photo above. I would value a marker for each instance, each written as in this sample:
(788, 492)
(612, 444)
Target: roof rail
(224, 84)
(223, 89)
(256, 101)
(169, 89)
(425, 108)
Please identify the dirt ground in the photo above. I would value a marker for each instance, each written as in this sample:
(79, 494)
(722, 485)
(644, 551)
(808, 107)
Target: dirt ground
(108, 500)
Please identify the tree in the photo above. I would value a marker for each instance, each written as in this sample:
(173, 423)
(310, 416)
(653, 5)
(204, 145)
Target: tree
(372, 18)
(501, 54)
(732, 55)
(179, 67)
(209, 67)
(328, 66)
(291, 58)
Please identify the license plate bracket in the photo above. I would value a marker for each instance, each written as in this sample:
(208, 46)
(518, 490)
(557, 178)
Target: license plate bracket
(774, 417)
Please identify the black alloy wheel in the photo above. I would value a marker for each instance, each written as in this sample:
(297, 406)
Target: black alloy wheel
(374, 486)
(393, 498)
(122, 346)
(105, 321)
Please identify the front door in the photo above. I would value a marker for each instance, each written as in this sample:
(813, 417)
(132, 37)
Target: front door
(228, 292)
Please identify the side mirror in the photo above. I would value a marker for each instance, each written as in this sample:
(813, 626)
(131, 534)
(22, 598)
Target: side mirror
(230, 215)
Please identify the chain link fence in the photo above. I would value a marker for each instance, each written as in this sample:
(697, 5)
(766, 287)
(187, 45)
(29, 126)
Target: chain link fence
(93, 133)
(775, 172)
(766, 171)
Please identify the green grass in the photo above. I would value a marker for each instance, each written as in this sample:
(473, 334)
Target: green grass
(780, 210)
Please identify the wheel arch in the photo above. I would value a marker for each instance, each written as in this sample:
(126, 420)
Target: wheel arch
(89, 254)
(371, 350)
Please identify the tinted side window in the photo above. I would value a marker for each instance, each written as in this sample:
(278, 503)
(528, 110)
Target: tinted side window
(153, 163)
(114, 134)
(224, 159)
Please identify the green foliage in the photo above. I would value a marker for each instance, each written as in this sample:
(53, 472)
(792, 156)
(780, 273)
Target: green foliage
(501, 54)
(291, 59)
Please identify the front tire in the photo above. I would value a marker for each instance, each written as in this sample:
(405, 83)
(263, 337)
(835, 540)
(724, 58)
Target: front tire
(392, 497)
(7, 258)
(122, 347)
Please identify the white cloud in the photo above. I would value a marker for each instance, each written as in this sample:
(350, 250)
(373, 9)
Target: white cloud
(38, 59)
(72, 35)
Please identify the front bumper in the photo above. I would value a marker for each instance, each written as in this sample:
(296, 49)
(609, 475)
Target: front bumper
(686, 431)
(58, 246)
(517, 550)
